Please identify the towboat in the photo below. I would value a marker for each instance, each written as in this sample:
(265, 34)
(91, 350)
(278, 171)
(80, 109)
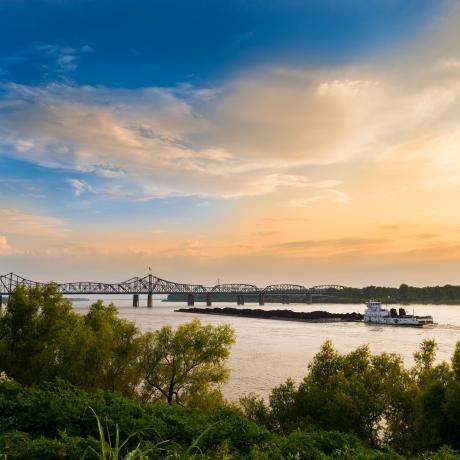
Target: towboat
(375, 314)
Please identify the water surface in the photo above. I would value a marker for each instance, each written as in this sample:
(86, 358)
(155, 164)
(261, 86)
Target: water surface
(267, 352)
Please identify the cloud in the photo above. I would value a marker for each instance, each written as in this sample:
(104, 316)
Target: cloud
(342, 243)
(14, 222)
(333, 195)
(257, 133)
(80, 186)
(65, 57)
(339, 196)
(329, 247)
(140, 138)
(426, 236)
(5, 248)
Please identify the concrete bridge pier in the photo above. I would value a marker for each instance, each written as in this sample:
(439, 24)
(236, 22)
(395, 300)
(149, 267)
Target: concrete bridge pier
(261, 299)
(240, 299)
(135, 300)
(149, 300)
(208, 300)
(285, 299)
(190, 300)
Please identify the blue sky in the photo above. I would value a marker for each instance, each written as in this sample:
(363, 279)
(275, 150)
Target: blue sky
(163, 43)
(193, 132)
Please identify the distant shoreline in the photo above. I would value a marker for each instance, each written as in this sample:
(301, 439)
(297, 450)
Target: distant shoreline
(329, 301)
(404, 295)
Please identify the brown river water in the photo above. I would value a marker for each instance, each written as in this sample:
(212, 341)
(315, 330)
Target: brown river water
(267, 352)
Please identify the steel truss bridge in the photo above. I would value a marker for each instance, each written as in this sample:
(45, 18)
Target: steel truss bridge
(151, 284)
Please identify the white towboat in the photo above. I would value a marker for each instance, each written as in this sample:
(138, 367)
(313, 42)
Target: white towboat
(375, 314)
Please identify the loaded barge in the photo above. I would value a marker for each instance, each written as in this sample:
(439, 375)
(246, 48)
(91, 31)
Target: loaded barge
(374, 314)
(286, 315)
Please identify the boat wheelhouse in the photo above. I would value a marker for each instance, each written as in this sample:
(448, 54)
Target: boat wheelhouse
(375, 314)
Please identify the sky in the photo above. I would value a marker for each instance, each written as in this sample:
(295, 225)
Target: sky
(310, 142)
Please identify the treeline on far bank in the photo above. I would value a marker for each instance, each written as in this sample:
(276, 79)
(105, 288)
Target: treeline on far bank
(448, 294)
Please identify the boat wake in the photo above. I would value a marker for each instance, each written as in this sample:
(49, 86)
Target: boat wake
(450, 327)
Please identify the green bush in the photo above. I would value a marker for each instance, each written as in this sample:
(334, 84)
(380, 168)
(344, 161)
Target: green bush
(56, 420)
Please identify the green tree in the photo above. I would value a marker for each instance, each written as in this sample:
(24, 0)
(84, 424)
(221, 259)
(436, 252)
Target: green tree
(403, 292)
(113, 354)
(368, 395)
(38, 334)
(424, 359)
(42, 339)
(180, 365)
(456, 362)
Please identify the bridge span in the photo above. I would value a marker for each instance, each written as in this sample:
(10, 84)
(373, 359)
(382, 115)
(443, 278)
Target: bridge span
(150, 285)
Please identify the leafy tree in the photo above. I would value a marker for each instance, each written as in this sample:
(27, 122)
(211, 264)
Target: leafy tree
(113, 359)
(179, 365)
(42, 339)
(456, 362)
(368, 395)
(424, 359)
(403, 292)
(38, 334)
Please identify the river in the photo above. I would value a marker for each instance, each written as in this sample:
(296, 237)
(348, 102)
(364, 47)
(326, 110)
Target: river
(267, 352)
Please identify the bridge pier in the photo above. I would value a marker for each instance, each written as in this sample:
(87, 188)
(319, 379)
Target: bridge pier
(149, 300)
(240, 299)
(208, 299)
(190, 300)
(261, 299)
(135, 300)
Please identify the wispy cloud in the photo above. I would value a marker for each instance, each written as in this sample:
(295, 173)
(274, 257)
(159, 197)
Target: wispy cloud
(331, 195)
(80, 186)
(65, 57)
(136, 137)
(14, 222)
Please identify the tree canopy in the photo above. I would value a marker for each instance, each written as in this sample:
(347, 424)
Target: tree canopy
(179, 364)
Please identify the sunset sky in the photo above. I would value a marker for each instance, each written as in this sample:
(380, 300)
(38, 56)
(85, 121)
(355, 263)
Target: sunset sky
(260, 141)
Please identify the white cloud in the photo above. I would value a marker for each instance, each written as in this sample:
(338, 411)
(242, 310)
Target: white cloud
(339, 197)
(80, 186)
(448, 63)
(5, 248)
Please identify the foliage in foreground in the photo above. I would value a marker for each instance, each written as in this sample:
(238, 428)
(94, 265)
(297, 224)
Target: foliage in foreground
(372, 396)
(56, 421)
(42, 339)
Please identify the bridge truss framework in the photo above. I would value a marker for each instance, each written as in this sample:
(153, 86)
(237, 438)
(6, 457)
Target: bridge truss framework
(151, 285)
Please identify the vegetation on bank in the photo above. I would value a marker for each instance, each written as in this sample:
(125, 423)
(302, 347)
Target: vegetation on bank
(56, 421)
(93, 386)
(405, 294)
